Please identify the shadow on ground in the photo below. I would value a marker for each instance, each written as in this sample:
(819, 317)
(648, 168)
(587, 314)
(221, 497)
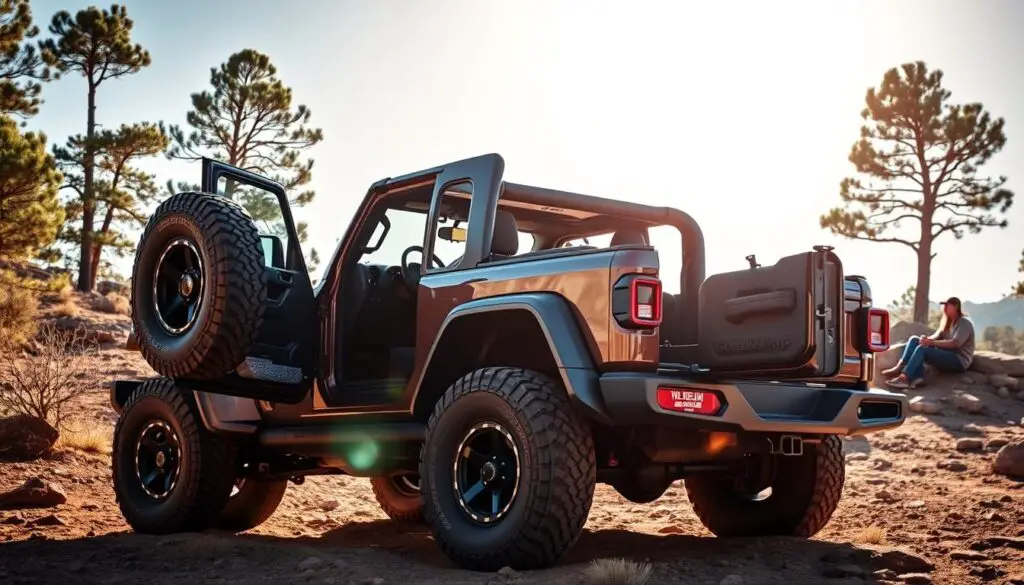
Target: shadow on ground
(400, 553)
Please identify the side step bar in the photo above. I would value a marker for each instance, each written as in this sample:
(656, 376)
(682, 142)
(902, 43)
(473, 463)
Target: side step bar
(329, 437)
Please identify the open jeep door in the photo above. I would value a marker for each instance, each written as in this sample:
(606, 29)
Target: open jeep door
(282, 354)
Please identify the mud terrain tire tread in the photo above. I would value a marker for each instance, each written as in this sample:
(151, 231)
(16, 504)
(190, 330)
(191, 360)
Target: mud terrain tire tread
(236, 287)
(209, 464)
(253, 505)
(556, 506)
(398, 506)
(808, 495)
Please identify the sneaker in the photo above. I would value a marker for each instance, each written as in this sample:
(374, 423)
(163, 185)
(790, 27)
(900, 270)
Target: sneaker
(898, 383)
(893, 371)
(917, 382)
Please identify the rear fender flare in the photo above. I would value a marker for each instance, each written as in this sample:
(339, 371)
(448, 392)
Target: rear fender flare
(564, 338)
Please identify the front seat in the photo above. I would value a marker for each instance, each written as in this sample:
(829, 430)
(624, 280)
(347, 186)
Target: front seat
(628, 238)
(505, 239)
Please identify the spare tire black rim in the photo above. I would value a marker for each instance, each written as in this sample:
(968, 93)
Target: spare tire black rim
(157, 459)
(178, 286)
(486, 473)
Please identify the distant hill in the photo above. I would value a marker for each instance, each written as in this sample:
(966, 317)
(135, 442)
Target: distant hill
(1008, 311)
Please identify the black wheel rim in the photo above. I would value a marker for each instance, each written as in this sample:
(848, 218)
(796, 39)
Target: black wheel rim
(178, 286)
(407, 484)
(157, 459)
(486, 473)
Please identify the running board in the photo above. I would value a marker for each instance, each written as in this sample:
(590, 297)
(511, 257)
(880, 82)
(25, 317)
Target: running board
(329, 437)
(254, 368)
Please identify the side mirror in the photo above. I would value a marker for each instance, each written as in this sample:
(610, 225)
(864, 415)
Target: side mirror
(452, 234)
(273, 251)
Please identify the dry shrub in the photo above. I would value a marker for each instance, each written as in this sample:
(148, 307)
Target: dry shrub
(112, 303)
(616, 572)
(871, 535)
(18, 308)
(42, 380)
(86, 438)
(66, 308)
(65, 293)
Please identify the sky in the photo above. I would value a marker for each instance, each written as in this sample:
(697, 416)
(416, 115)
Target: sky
(740, 113)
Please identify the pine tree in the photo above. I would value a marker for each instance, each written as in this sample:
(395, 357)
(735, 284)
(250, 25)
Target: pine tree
(21, 66)
(97, 45)
(248, 119)
(122, 191)
(919, 156)
(30, 211)
(1018, 289)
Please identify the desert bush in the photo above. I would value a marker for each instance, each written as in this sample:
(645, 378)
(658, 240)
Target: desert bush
(85, 438)
(42, 379)
(117, 304)
(616, 572)
(871, 535)
(66, 308)
(18, 308)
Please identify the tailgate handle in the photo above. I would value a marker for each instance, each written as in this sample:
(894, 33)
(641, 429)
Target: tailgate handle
(742, 308)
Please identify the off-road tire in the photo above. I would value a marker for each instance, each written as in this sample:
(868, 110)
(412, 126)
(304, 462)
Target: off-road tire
(234, 291)
(255, 502)
(396, 503)
(557, 472)
(805, 492)
(205, 475)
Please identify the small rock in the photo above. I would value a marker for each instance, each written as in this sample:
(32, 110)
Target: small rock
(973, 428)
(49, 520)
(996, 443)
(967, 380)
(885, 575)
(671, 529)
(968, 555)
(1004, 381)
(951, 465)
(1003, 392)
(1009, 460)
(994, 517)
(508, 572)
(310, 563)
(915, 579)
(857, 457)
(13, 519)
(969, 403)
(329, 505)
(970, 444)
(902, 561)
(914, 504)
(924, 405)
(885, 496)
(34, 493)
(732, 580)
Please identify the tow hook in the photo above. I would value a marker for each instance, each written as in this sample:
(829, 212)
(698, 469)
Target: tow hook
(788, 446)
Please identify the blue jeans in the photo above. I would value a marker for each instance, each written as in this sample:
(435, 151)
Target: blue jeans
(915, 356)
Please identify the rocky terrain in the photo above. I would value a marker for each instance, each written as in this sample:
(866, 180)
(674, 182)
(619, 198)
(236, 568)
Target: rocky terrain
(923, 504)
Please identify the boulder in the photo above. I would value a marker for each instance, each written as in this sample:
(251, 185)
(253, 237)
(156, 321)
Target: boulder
(990, 362)
(24, 437)
(34, 493)
(969, 403)
(924, 405)
(1005, 381)
(901, 331)
(1009, 460)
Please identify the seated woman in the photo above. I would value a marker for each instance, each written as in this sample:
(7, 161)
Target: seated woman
(949, 349)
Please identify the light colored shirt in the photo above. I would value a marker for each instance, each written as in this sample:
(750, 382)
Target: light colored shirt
(962, 333)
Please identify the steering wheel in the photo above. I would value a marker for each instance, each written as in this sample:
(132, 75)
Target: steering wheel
(411, 270)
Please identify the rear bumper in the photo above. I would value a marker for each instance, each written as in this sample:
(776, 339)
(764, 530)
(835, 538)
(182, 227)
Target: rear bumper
(754, 406)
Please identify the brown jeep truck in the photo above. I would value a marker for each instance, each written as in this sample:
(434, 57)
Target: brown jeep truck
(487, 389)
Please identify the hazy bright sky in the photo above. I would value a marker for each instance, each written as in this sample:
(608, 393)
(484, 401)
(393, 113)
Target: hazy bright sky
(740, 113)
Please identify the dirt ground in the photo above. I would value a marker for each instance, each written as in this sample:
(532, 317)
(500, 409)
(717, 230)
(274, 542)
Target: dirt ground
(907, 490)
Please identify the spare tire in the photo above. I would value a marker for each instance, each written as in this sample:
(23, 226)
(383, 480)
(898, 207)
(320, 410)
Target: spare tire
(198, 286)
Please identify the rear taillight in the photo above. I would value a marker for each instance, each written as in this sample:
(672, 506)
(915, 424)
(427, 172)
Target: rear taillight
(636, 302)
(877, 330)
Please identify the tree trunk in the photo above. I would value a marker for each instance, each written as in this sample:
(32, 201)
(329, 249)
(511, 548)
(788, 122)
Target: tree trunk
(98, 247)
(85, 275)
(924, 273)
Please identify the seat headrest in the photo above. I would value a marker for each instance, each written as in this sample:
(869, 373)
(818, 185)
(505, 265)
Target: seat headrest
(628, 238)
(505, 240)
